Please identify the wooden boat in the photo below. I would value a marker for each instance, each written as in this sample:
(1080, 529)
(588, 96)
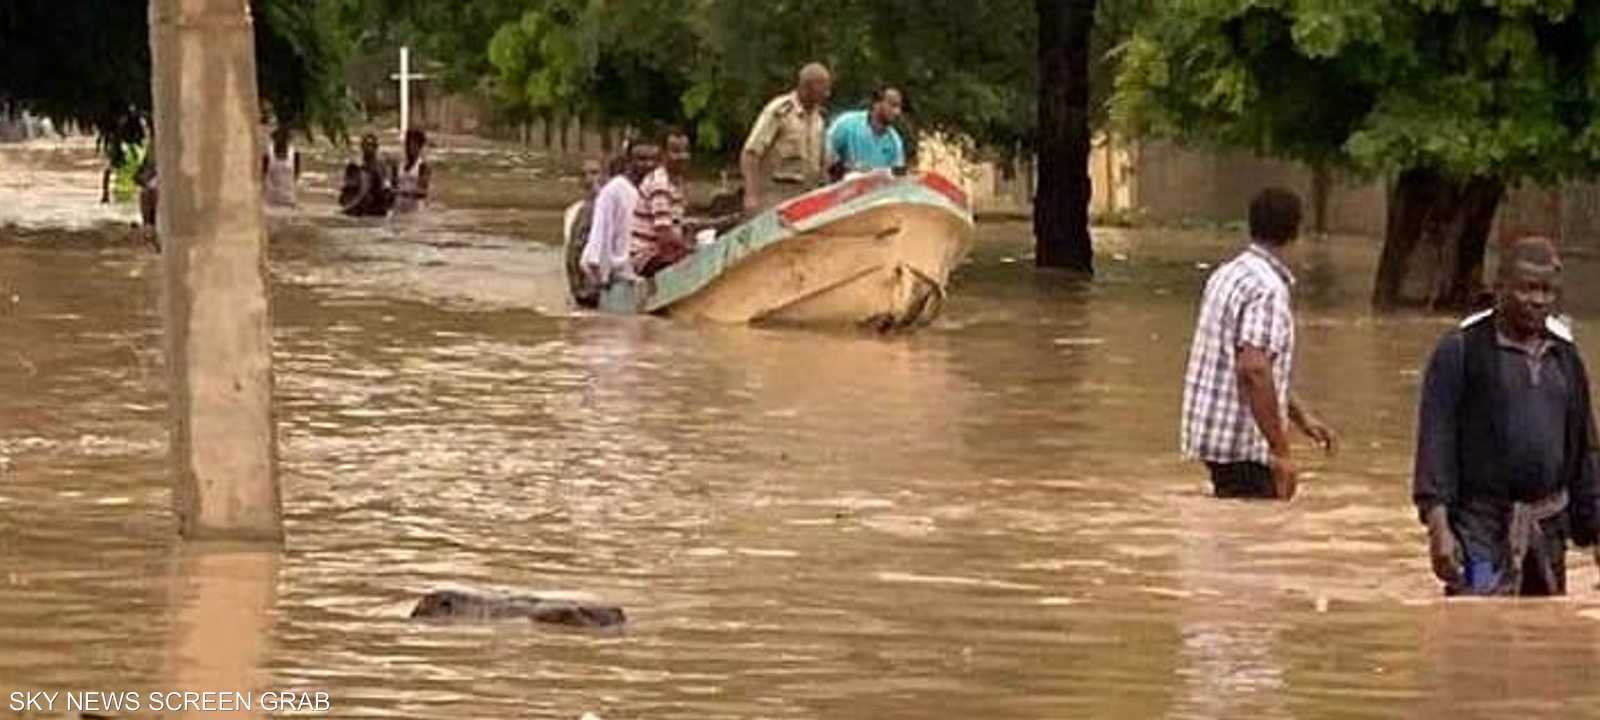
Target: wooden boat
(874, 250)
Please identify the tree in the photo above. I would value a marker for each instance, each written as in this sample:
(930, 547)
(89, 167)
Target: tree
(969, 70)
(453, 34)
(1061, 208)
(1455, 101)
(89, 64)
(966, 67)
(622, 64)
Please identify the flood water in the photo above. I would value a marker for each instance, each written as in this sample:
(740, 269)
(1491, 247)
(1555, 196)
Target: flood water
(987, 519)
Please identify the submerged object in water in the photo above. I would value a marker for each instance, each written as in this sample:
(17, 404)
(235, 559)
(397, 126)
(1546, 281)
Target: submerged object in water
(468, 606)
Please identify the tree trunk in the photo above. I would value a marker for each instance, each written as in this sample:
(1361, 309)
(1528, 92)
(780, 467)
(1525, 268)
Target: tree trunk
(1061, 205)
(1470, 226)
(1321, 187)
(1441, 225)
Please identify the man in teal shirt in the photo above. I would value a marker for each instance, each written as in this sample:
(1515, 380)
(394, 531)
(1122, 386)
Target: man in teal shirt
(865, 140)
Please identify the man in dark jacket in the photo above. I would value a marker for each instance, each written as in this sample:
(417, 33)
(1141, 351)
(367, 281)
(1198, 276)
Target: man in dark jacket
(367, 191)
(1505, 465)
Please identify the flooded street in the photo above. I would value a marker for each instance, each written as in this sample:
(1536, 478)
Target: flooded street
(987, 519)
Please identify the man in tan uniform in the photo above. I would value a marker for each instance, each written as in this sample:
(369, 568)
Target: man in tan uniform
(783, 155)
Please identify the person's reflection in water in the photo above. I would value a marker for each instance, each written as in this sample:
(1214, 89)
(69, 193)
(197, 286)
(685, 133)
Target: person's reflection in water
(1488, 659)
(1229, 661)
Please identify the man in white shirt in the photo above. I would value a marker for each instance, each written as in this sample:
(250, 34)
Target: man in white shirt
(605, 255)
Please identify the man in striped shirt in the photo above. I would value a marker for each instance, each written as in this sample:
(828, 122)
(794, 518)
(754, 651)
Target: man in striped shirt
(1236, 390)
(659, 235)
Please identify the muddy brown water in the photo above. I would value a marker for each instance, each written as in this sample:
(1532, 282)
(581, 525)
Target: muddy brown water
(986, 519)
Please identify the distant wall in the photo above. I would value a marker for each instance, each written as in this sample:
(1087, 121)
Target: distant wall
(1166, 183)
(993, 187)
(1170, 183)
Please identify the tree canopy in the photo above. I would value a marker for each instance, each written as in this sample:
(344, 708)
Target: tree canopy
(1503, 88)
(1455, 100)
(968, 68)
(89, 64)
(965, 66)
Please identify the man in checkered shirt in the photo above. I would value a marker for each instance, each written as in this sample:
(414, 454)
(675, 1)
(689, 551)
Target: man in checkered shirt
(1236, 390)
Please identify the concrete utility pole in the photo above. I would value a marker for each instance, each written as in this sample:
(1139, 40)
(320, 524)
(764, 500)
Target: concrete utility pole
(213, 237)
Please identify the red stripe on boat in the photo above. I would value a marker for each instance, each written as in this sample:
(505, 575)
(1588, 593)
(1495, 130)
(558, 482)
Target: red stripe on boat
(797, 210)
(939, 184)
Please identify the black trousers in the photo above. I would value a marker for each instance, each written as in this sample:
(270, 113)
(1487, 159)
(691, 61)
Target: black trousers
(1250, 480)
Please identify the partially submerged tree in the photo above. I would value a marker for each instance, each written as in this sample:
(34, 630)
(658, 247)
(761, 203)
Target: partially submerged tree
(1061, 207)
(1455, 101)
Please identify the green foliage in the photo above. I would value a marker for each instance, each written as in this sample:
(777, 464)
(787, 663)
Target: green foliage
(89, 64)
(710, 65)
(1503, 88)
(300, 60)
(624, 63)
(539, 61)
(451, 32)
(967, 67)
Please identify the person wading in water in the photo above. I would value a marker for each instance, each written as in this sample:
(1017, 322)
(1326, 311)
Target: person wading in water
(1505, 467)
(366, 191)
(1236, 393)
(414, 176)
(280, 170)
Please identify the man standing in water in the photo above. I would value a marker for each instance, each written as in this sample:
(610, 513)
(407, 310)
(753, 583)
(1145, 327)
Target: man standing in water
(149, 182)
(1236, 388)
(280, 170)
(366, 190)
(1505, 462)
(783, 155)
(606, 253)
(413, 177)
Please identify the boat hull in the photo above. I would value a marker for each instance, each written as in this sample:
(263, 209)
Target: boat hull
(875, 252)
(886, 267)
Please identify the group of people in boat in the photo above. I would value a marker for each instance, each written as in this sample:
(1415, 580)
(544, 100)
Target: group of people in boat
(790, 151)
(635, 223)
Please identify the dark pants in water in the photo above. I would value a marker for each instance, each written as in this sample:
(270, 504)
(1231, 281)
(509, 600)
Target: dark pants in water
(1249, 480)
(1489, 568)
(665, 256)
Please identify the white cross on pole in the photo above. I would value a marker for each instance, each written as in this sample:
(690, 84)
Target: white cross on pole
(405, 77)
